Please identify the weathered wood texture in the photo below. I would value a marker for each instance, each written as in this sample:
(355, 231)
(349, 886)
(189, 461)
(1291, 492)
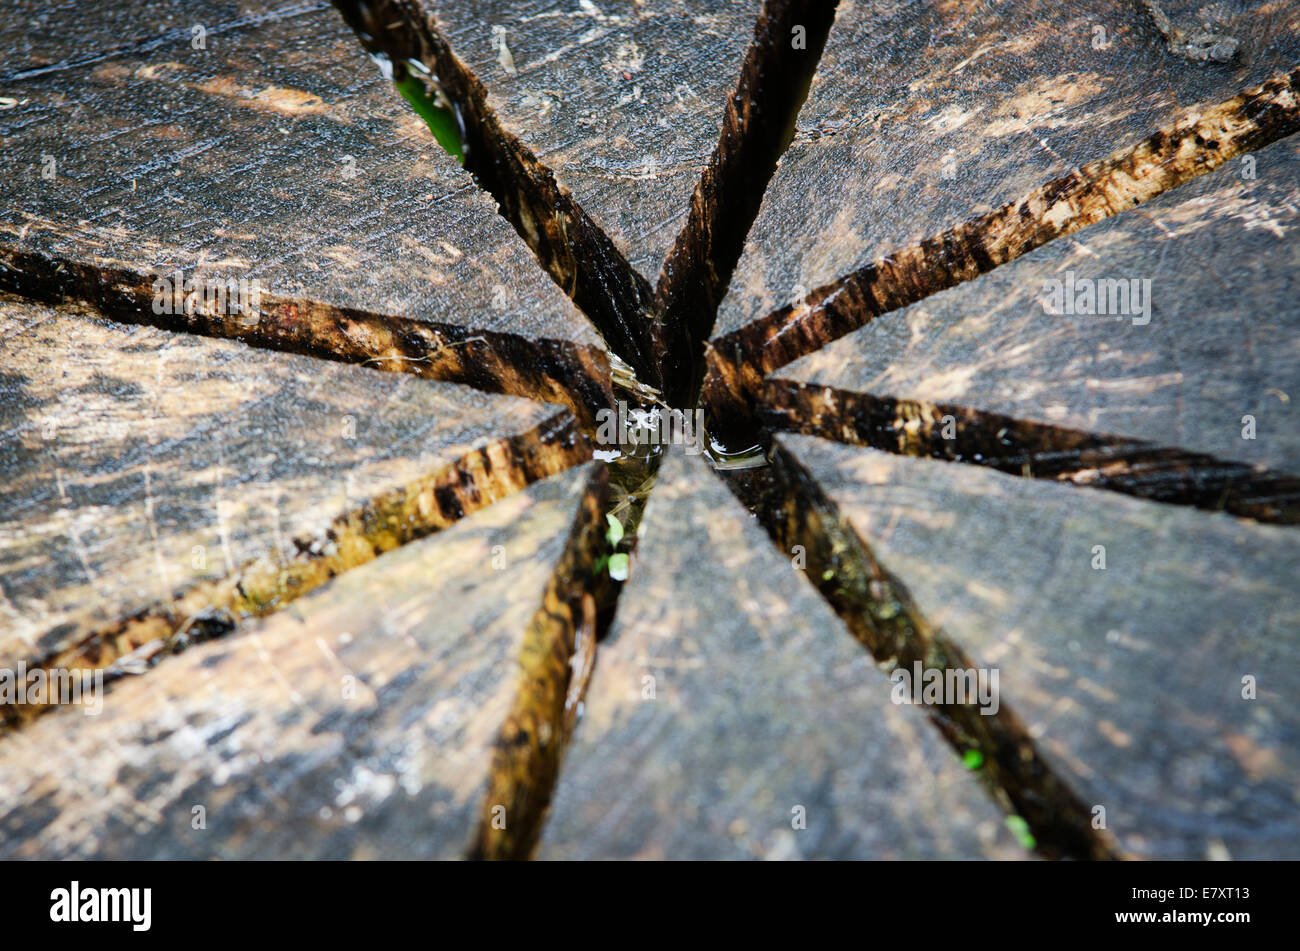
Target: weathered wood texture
(623, 102)
(1151, 398)
(762, 703)
(554, 664)
(153, 481)
(629, 143)
(358, 723)
(941, 140)
(1131, 676)
(278, 153)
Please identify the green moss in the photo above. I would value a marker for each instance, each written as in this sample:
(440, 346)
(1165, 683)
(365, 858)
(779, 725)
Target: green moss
(1020, 829)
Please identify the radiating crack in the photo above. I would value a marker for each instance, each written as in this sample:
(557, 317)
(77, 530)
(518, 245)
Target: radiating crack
(1034, 450)
(880, 613)
(577, 254)
(739, 362)
(553, 371)
(658, 332)
(555, 664)
(132, 645)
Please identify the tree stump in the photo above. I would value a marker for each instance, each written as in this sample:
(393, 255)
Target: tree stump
(315, 541)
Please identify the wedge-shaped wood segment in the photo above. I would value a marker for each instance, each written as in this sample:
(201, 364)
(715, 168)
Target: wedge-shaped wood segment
(1152, 651)
(629, 143)
(731, 715)
(624, 104)
(158, 486)
(1156, 353)
(358, 723)
(275, 153)
(940, 140)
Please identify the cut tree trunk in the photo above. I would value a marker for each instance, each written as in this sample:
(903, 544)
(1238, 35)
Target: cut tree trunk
(341, 613)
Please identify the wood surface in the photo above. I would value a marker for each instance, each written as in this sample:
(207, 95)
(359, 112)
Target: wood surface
(359, 722)
(1129, 677)
(160, 485)
(1158, 401)
(277, 153)
(628, 143)
(727, 696)
(941, 140)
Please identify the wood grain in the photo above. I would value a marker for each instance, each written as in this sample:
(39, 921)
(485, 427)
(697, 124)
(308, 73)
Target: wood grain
(156, 483)
(1155, 402)
(762, 702)
(277, 153)
(629, 143)
(1130, 677)
(941, 140)
(360, 722)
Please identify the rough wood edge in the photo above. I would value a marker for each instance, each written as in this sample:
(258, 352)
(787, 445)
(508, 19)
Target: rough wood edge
(760, 113)
(555, 663)
(552, 371)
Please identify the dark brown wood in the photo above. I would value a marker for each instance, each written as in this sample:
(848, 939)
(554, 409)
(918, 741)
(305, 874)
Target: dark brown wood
(727, 702)
(161, 487)
(360, 722)
(1130, 677)
(940, 141)
(1183, 394)
(278, 153)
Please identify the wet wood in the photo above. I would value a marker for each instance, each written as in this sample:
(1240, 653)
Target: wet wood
(160, 487)
(1177, 386)
(629, 143)
(941, 141)
(1132, 677)
(276, 153)
(360, 722)
(729, 707)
